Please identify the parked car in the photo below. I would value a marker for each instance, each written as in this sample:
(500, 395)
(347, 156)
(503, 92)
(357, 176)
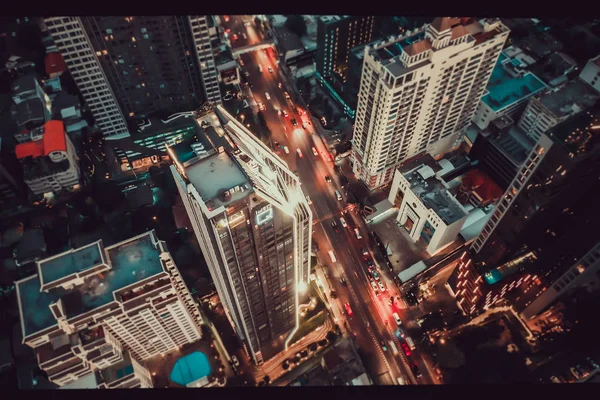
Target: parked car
(235, 361)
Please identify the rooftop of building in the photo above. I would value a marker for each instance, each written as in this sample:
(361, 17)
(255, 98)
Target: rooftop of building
(421, 174)
(576, 132)
(24, 84)
(64, 100)
(53, 139)
(28, 110)
(288, 40)
(482, 184)
(514, 144)
(327, 19)
(570, 98)
(219, 180)
(596, 61)
(540, 44)
(556, 65)
(129, 261)
(156, 126)
(54, 63)
(504, 90)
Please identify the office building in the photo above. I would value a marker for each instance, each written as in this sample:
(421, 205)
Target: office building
(419, 95)
(49, 160)
(556, 105)
(253, 225)
(336, 36)
(509, 88)
(134, 67)
(98, 310)
(545, 221)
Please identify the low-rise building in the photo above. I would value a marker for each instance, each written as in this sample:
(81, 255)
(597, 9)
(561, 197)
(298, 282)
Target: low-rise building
(102, 311)
(428, 210)
(50, 163)
(556, 69)
(288, 43)
(591, 73)
(32, 106)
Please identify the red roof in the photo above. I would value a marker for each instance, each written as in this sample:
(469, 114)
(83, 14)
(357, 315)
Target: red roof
(483, 185)
(54, 63)
(474, 178)
(53, 140)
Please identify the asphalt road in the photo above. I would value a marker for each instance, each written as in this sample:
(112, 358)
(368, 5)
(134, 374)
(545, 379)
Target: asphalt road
(372, 321)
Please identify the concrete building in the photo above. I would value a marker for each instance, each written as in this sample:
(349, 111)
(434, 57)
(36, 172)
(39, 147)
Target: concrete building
(428, 210)
(545, 220)
(554, 106)
(32, 106)
(591, 73)
(50, 162)
(421, 96)
(130, 67)
(556, 69)
(253, 225)
(289, 44)
(509, 88)
(102, 311)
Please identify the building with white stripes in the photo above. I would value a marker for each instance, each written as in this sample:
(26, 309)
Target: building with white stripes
(94, 308)
(418, 93)
(135, 67)
(254, 227)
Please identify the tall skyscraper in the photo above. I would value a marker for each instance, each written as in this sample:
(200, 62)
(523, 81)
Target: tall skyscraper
(93, 308)
(254, 227)
(336, 36)
(132, 67)
(545, 221)
(419, 94)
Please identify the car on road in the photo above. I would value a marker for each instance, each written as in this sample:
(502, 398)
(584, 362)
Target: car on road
(375, 275)
(287, 151)
(261, 106)
(315, 152)
(244, 36)
(374, 286)
(343, 281)
(364, 251)
(260, 69)
(348, 309)
(332, 256)
(285, 113)
(357, 233)
(343, 222)
(370, 264)
(381, 286)
(415, 370)
(287, 95)
(397, 319)
(327, 179)
(294, 122)
(279, 85)
(299, 153)
(383, 345)
(267, 96)
(308, 199)
(270, 69)
(235, 37)
(334, 226)
(406, 349)
(235, 361)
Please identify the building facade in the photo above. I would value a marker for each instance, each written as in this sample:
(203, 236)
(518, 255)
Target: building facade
(93, 309)
(134, 67)
(253, 225)
(422, 99)
(49, 160)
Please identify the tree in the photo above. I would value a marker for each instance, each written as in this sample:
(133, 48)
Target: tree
(296, 24)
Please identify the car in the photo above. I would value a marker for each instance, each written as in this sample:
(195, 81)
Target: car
(304, 353)
(226, 18)
(374, 286)
(270, 69)
(415, 370)
(235, 361)
(343, 222)
(381, 286)
(261, 107)
(279, 85)
(294, 122)
(308, 199)
(327, 179)
(375, 274)
(348, 309)
(406, 349)
(371, 264)
(343, 282)
(285, 113)
(287, 151)
(315, 152)
(260, 69)
(333, 294)
(245, 36)
(357, 233)
(285, 364)
(364, 251)
(299, 152)
(334, 226)
(383, 345)
(287, 95)
(235, 37)
(267, 96)
(246, 74)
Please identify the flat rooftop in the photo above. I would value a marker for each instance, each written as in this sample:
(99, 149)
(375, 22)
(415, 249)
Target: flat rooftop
(504, 89)
(574, 96)
(130, 261)
(514, 144)
(70, 263)
(217, 174)
(433, 194)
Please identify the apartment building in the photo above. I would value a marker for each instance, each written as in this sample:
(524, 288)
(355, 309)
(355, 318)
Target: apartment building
(253, 225)
(419, 94)
(49, 160)
(99, 310)
(134, 67)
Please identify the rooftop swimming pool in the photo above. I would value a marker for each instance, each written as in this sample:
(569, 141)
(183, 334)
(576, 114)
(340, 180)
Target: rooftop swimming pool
(190, 368)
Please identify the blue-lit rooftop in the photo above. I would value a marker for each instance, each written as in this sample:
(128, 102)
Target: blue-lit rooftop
(504, 90)
(131, 261)
(69, 263)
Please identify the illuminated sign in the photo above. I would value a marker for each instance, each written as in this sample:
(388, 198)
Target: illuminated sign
(264, 215)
